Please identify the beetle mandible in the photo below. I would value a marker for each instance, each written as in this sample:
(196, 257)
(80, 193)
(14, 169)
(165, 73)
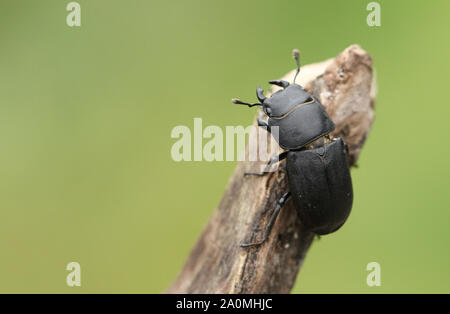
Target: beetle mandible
(317, 168)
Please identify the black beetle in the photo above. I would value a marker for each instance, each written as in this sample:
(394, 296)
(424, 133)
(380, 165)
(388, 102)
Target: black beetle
(317, 168)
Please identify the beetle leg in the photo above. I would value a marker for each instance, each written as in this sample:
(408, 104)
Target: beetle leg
(263, 123)
(271, 162)
(280, 204)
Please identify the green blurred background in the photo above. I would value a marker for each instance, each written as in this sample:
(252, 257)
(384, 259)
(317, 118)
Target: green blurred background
(86, 115)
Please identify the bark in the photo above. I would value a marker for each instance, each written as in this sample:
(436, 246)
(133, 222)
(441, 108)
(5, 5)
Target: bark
(345, 85)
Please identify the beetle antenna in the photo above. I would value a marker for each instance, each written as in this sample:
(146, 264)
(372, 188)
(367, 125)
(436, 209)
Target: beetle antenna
(296, 55)
(240, 102)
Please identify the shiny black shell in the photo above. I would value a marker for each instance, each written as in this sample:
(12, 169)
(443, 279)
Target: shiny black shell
(282, 101)
(321, 186)
(300, 118)
(302, 125)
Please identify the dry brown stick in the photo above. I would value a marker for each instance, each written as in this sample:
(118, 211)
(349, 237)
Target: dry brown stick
(346, 87)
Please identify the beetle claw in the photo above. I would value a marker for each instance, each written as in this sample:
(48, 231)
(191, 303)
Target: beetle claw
(280, 83)
(260, 94)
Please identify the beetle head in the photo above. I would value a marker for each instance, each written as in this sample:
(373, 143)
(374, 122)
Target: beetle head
(284, 100)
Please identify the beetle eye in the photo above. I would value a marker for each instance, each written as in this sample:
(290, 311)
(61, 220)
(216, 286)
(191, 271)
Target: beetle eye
(268, 110)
